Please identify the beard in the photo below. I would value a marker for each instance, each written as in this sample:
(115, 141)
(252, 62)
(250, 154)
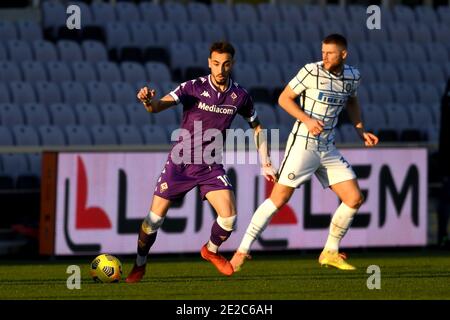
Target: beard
(222, 81)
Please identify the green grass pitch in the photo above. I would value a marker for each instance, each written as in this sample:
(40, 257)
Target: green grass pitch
(407, 274)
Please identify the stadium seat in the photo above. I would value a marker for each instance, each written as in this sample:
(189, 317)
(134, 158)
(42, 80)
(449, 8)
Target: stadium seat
(409, 72)
(371, 52)
(385, 72)
(94, 51)
(268, 115)
(69, 51)
(62, 114)
(289, 71)
(290, 13)
(222, 13)
(127, 12)
(51, 136)
(3, 54)
(103, 13)
(378, 36)
(83, 71)
(14, 164)
(421, 117)
(58, 71)
(313, 13)
(353, 57)
(237, 33)
(354, 33)
(433, 73)
(34, 163)
(357, 14)
(368, 72)
(309, 33)
(331, 26)
(276, 52)
(253, 52)
(427, 93)
(284, 32)
(380, 93)
(420, 33)
(103, 135)
(165, 33)
(404, 15)
(300, 53)
(35, 114)
(137, 115)
(198, 12)
(348, 133)
(190, 32)
(245, 13)
(25, 136)
(157, 72)
(175, 12)
(397, 117)
(87, 114)
(11, 114)
(4, 94)
(19, 51)
(8, 31)
(336, 12)
(154, 134)
(441, 32)
(44, 51)
(182, 56)
(212, 32)
(269, 13)
(425, 14)
(403, 93)
(53, 14)
(123, 93)
(98, 92)
(168, 117)
(269, 75)
(245, 74)
(6, 138)
(167, 87)
(77, 136)
(33, 71)
(260, 33)
(9, 71)
(73, 92)
(22, 92)
(133, 72)
(151, 12)
(444, 14)
(117, 35)
(47, 92)
(129, 134)
(436, 52)
(141, 34)
(393, 52)
(374, 116)
(113, 114)
(201, 53)
(29, 30)
(414, 52)
(108, 72)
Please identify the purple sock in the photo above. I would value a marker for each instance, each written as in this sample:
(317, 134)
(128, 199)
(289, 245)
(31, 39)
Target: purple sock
(218, 234)
(145, 242)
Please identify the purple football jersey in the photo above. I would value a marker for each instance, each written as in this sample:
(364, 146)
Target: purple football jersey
(204, 108)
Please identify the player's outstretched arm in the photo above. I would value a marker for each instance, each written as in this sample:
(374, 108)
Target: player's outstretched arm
(354, 113)
(263, 150)
(147, 97)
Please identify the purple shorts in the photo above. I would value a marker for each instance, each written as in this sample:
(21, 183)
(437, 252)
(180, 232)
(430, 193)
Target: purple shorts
(178, 179)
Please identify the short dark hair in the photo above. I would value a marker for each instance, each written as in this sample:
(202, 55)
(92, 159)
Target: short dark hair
(221, 47)
(337, 39)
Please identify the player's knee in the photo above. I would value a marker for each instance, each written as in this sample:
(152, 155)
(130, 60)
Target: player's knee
(356, 201)
(227, 223)
(152, 223)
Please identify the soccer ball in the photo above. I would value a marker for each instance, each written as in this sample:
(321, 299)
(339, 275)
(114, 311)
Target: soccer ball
(106, 268)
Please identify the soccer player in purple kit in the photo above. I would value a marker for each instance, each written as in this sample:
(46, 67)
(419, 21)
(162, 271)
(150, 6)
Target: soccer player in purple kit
(211, 101)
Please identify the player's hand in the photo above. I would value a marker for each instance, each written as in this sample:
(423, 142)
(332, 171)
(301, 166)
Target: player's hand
(370, 139)
(145, 95)
(269, 172)
(315, 127)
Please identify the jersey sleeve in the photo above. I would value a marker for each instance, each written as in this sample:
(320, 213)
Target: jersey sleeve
(356, 83)
(183, 92)
(247, 111)
(300, 82)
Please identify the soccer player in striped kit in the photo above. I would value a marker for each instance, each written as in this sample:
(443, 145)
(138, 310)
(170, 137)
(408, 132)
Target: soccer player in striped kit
(324, 89)
(210, 104)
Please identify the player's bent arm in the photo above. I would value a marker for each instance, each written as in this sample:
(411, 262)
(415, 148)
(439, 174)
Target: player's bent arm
(261, 143)
(287, 101)
(354, 113)
(158, 105)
